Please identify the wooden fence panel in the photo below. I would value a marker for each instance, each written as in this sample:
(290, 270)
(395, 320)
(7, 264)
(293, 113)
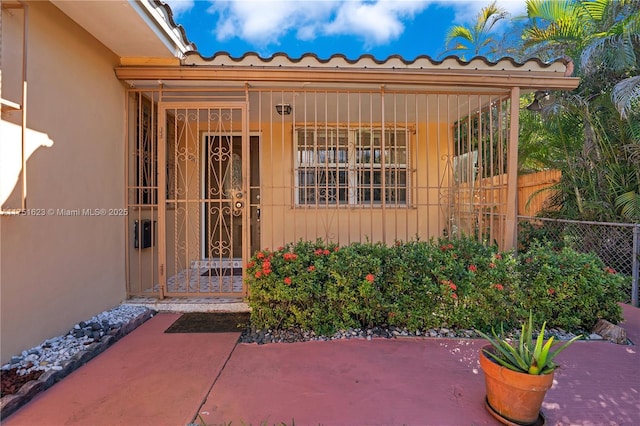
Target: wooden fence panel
(528, 203)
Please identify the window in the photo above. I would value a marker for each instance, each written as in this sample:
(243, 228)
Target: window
(345, 167)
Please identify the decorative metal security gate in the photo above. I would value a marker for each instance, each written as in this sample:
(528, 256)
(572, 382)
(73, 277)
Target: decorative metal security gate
(203, 163)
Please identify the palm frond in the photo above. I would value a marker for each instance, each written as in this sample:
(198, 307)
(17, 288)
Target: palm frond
(550, 10)
(597, 9)
(490, 15)
(477, 39)
(458, 31)
(626, 95)
(629, 205)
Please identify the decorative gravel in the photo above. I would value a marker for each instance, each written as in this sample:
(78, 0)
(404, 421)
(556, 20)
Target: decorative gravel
(252, 335)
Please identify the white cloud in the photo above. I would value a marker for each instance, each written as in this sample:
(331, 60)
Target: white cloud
(263, 22)
(180, 6)
(377, 22)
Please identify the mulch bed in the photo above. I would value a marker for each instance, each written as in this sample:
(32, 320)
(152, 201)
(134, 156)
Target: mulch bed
(11, 381)
(210, 322)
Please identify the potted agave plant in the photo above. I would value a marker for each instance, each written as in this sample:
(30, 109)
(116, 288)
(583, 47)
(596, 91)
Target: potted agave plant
(518, 374)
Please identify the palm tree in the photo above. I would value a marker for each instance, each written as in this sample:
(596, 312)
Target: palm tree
(477, 40)
(601, 181)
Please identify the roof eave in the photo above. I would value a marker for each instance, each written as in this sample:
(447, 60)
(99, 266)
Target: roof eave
(168, 33)
(432, 77)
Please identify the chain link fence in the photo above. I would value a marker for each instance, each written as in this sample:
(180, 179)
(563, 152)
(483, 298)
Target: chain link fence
(617, 244)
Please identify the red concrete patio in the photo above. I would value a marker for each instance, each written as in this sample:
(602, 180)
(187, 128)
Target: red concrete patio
(152, 378)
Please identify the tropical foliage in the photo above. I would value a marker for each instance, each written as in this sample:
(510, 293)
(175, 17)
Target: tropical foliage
(468, 42)
(591, 134)
(601, 176)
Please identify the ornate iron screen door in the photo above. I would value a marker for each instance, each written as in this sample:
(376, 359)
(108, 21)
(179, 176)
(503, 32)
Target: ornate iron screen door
(203, 217)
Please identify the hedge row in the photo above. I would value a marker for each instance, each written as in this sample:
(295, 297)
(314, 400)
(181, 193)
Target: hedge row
(458, 283)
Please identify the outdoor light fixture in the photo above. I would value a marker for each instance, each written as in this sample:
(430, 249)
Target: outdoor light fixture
(283, 109)
(541, 99)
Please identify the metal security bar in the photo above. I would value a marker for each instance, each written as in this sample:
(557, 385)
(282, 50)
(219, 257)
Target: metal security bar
(141, 164)
(380, 166)
(336, 163)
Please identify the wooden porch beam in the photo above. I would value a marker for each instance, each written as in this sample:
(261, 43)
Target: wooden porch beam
(471, 78)
(511, 219)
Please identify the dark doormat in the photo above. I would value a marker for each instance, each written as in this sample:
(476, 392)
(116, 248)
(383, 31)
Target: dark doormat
(225, 272)
(210, 322)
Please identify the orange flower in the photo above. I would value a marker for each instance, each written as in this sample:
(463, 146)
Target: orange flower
(287, 280)
(498, 256)
(258, 274)
(266, 272)
(473, 268)
(551, 291)
(498, 287)
(260, 255)
(370, 277)
(290, 256)
(452, 286)
(455, 296)
(311, 268)
(251, 264)
(492, 265)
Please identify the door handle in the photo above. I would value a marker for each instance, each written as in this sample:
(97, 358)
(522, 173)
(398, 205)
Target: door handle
(238, 203)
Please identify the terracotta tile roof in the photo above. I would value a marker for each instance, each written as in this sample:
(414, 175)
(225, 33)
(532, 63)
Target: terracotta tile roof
(167, 13)
(311, 60)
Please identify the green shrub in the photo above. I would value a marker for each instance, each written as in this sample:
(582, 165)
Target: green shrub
(412, 294)
(568, 289)
(287, 286)
(458, 283)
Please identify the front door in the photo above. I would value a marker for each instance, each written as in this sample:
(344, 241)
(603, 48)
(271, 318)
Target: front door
(204, 213)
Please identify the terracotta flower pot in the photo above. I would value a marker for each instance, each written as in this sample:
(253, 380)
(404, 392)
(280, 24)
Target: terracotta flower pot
(517, 397)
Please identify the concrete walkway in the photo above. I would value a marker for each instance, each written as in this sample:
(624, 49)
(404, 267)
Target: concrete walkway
(146, 378)
(152, 378)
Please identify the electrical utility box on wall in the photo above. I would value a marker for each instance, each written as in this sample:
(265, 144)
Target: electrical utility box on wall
(143, 233)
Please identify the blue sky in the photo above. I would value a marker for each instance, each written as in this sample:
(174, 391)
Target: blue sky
(352, 27)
